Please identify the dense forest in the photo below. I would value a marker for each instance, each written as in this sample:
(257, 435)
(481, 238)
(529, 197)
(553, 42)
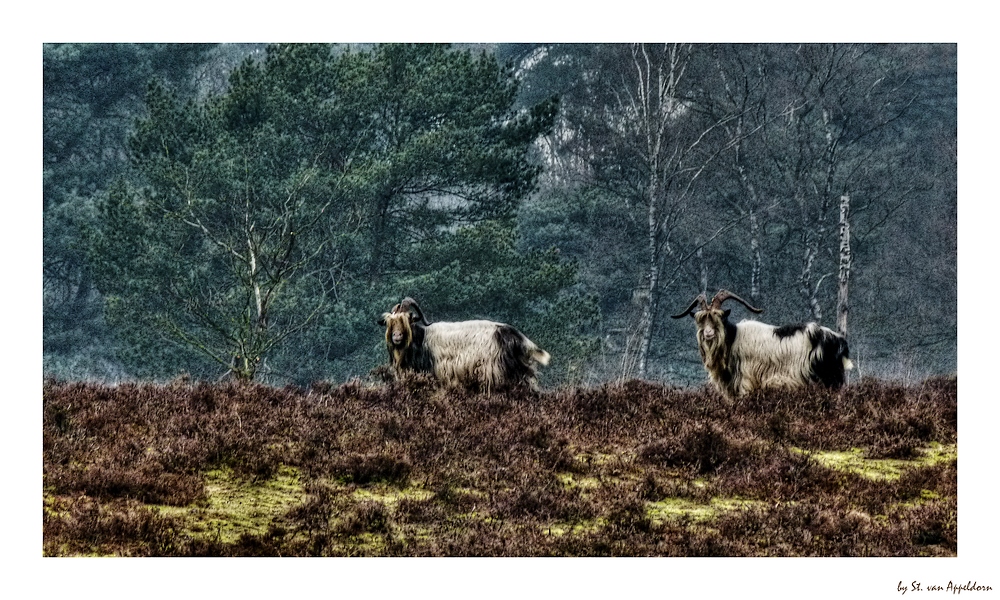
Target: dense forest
(247, 211)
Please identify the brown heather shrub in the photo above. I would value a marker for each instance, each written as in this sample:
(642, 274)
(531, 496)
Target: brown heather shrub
(903, 447)
(540, 500)
(366, 469)
(456, 500)
(811, 530)
(508, 473)
(421, 512)
(313, 516)
(941, 479)
(122, 528)
(366, 517)
(274, 542)
(780, 475)
(933, 525)
(147, 482)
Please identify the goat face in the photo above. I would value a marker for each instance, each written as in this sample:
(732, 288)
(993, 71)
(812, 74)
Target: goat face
(711, 324)
(399, 322)
(398, 330)
(713, 327)
(714, 331)
(405, 328)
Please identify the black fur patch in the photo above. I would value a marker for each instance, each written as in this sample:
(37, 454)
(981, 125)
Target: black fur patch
(514, 360)
(416, 357)
(726, 371)
(730, 332)
(418, 335)
(830, 369)
(789, 330)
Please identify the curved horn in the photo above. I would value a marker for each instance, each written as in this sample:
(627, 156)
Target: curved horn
(410, 305)
(724, 295)
(700, 300)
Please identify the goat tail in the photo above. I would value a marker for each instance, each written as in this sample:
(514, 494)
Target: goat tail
(541, 356)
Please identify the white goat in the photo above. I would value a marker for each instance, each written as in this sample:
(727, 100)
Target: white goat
(751, 355)
(483, 354)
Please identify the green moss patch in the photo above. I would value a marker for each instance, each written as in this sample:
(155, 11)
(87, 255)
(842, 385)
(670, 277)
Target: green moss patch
(571, 481)
(237, 506)
(578, 528)
(390, 495)
(678, 508)
(882, 469)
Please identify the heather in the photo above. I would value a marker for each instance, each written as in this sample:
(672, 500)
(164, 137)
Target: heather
(409, 469)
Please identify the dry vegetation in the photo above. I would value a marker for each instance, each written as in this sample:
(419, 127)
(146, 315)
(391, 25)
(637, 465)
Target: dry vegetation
(404, 469)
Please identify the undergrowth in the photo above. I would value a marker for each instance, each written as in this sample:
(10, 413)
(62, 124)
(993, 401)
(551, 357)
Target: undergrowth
(405, 469)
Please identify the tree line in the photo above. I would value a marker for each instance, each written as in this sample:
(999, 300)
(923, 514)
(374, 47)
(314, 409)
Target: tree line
(248, 211)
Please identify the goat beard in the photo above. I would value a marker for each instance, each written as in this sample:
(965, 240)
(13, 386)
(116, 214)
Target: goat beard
(713, 352)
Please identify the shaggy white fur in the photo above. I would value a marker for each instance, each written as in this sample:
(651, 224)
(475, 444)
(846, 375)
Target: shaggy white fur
(467, 352)
(759, 358)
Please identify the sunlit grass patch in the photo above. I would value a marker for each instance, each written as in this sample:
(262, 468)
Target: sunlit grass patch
(54, 506)
(676, 508)
(389, 495)
(937, 453)
(882, 469)
(597, 458)
(575, 481)
(363, 544)
(925, 497)
(236, 506)
(854, 461)
(576, 528)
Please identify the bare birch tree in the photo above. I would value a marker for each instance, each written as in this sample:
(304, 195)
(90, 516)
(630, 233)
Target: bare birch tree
(650, 119)
(744, 81)
(844, 272)
(842, 98)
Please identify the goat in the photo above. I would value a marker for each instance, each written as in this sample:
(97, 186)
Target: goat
(751, 355)
(483, 354)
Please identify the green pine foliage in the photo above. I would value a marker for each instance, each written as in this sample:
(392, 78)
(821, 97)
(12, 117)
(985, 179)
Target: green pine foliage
(91, 94)
(267, 226)
(479, 272)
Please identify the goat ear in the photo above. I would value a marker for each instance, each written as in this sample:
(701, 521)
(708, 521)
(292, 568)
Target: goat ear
(725, 313)
(381, 320)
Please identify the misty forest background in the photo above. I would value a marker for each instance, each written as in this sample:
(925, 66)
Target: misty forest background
(248, 211)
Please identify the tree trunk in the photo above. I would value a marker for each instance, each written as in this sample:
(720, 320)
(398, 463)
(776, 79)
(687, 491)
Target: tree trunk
(814, 234)
(844, 274)
(810, 241)
(754, 203)
(649, 308)
(702, 268)
(755, 258)
(379, 229)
